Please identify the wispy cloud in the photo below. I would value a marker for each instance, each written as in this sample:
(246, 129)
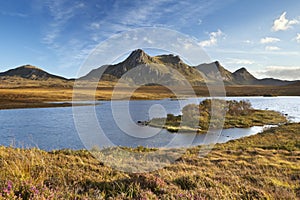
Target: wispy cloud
(239, 61)
(61, 15)
(281, 72)
(272, 48)
(268, 40)
(282, 23)
(69, 50)
(142, 13)
(213, 39)
(95, 26)
(161, 13)
(13, 14)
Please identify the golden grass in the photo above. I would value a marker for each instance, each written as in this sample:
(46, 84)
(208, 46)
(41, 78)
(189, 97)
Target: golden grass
(18, 92)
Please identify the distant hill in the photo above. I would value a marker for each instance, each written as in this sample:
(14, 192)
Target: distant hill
(295, 84)
(215, 71)
(240, 77)
(30, 72)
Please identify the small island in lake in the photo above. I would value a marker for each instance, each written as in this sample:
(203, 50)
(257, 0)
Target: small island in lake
(227, 114)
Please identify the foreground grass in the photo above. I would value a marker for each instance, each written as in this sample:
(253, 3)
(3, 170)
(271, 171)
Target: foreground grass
(264, 166)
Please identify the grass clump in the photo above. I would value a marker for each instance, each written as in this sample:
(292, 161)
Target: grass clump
(185, 183)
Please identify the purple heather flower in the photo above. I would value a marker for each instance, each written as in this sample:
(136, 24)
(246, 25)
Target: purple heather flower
(9, 185)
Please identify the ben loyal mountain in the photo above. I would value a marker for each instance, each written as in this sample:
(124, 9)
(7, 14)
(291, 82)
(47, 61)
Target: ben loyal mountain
(151, 68)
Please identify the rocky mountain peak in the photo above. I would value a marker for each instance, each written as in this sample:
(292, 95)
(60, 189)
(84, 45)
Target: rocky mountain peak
(242, 70)
(29, 67)
(217, 63)
(242, 74)
(172, 59)
(137, 57)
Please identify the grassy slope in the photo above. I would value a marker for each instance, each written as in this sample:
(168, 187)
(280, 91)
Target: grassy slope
(264, 166)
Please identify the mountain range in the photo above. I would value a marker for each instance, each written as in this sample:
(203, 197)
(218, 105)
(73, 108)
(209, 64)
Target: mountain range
(139, 68)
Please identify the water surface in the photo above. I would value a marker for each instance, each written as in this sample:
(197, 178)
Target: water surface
(54, 128)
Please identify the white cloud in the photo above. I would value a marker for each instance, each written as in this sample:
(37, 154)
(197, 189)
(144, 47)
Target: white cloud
(298, 37)
(268, 40)
(148, 40)
(95, 26)
(239, 61)
(248, 41)
(255, 52)
(281, 72)
(282, 23)
(213, 39)
(272, 48)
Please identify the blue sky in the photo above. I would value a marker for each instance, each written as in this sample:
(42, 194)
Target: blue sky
(263, 36)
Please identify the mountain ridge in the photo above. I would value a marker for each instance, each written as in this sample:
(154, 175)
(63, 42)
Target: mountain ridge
(161, 69)
(155, 69)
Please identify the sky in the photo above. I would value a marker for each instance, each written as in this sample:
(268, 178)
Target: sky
(58, 35)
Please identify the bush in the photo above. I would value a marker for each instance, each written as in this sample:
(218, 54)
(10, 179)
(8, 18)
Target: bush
(190, 115)
(237, 108)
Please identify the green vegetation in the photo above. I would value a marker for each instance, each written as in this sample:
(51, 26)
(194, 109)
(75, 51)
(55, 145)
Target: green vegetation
(263, 166)
(238, 114)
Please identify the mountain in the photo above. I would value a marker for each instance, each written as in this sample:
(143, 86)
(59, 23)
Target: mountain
(140, 68)
(243, 77)
(30, 72)
(215, 71)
